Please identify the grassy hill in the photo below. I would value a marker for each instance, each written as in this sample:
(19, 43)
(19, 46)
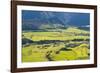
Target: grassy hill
(66, 44)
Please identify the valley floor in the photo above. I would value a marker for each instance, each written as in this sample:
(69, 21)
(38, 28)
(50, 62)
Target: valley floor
(55, 46)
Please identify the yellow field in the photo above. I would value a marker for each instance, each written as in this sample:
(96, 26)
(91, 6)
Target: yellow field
(69, 44)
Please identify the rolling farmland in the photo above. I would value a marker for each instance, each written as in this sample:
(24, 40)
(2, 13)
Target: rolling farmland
(67, 44)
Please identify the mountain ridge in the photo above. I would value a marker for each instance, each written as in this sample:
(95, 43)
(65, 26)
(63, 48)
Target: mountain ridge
(34, 20)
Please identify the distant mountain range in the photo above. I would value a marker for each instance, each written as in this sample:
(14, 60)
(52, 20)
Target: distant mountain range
(35, 20)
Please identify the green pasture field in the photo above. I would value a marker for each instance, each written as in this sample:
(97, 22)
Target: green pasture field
(68, 44)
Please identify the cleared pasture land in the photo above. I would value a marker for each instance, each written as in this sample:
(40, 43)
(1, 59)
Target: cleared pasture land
(68, 44)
